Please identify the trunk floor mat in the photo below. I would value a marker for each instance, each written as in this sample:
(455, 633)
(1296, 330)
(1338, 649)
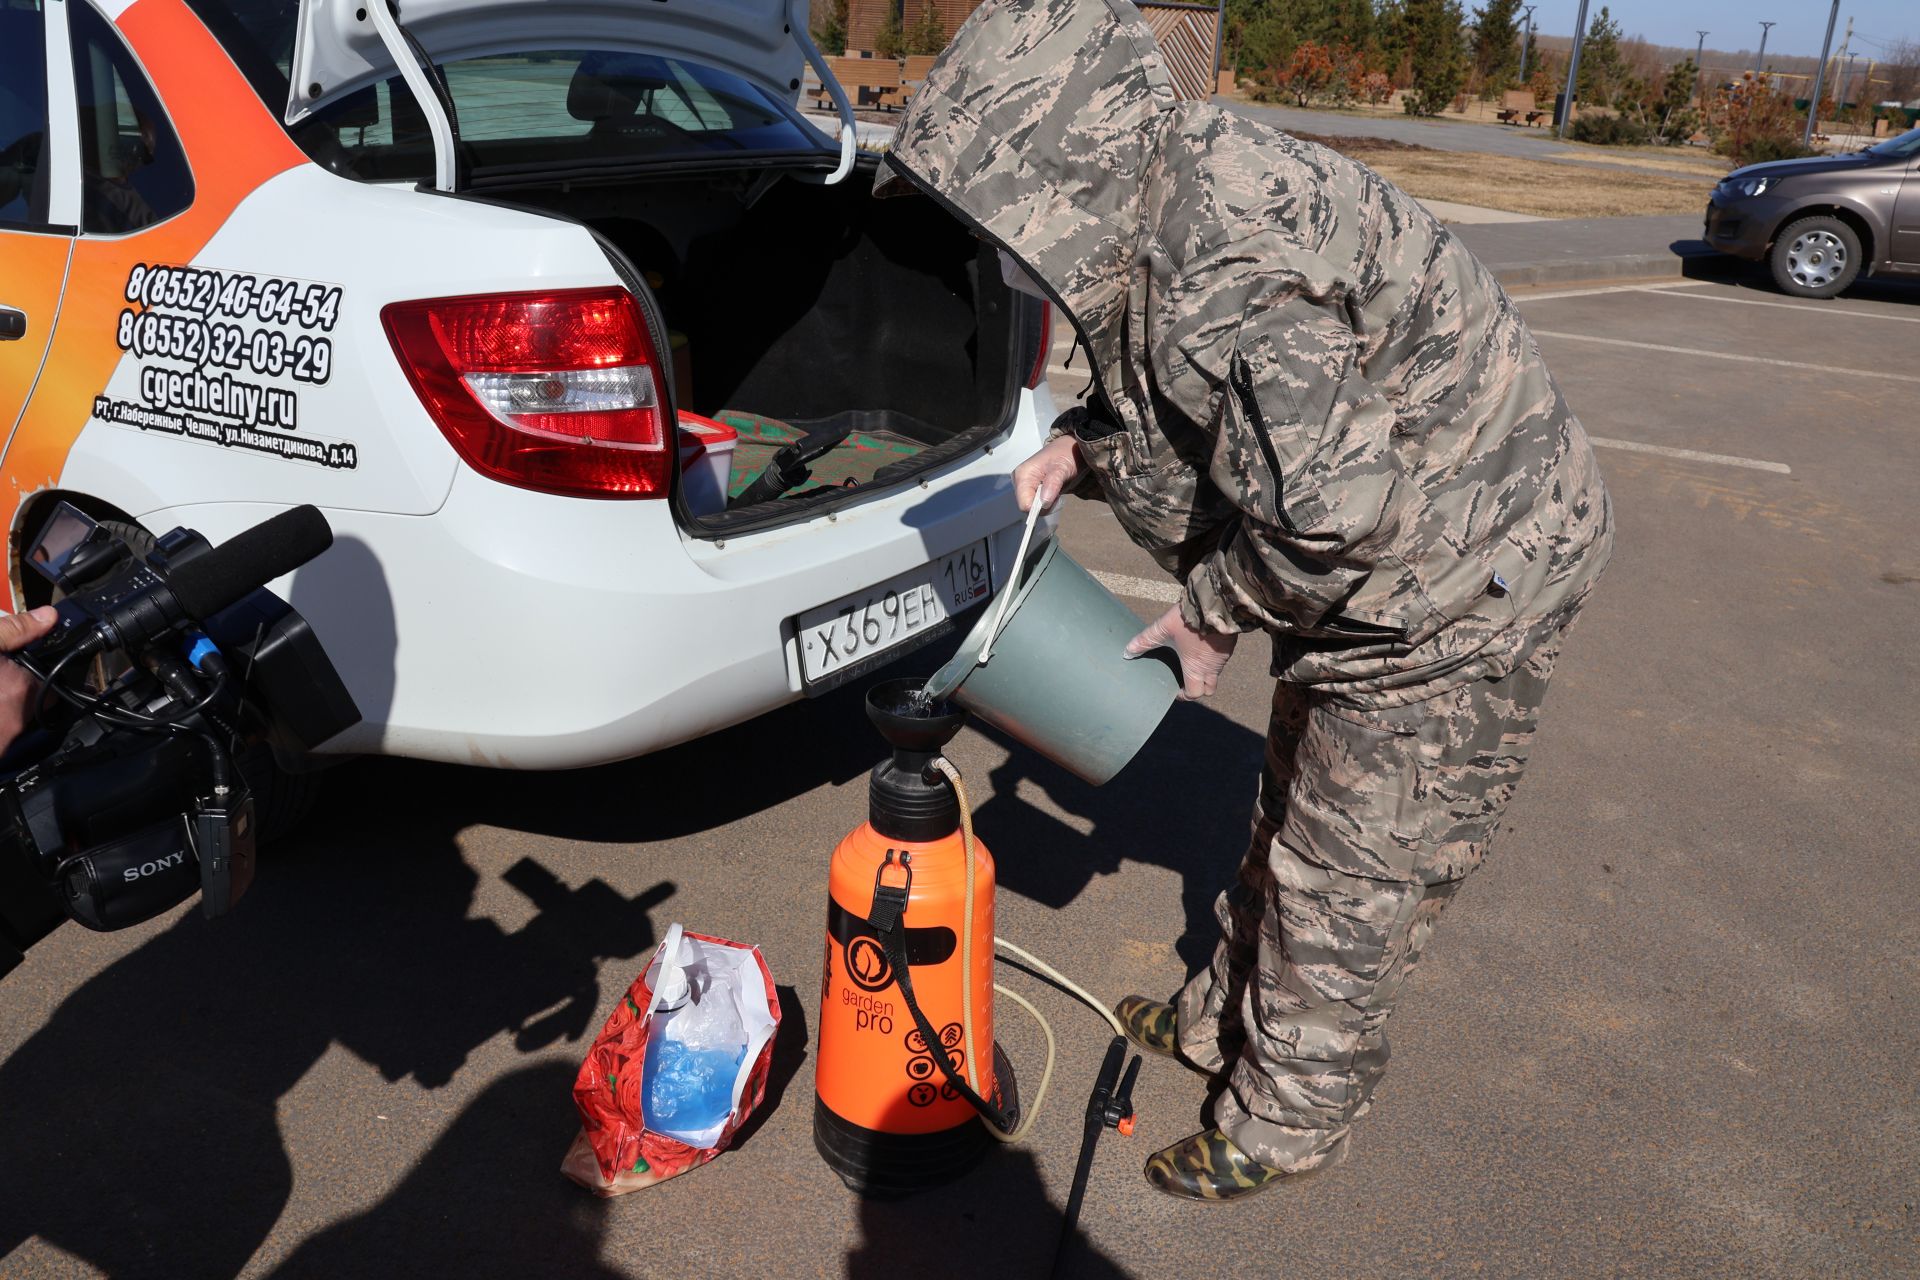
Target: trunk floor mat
(853, 461)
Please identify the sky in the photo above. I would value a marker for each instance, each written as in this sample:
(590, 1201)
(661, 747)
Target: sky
(1735, 24)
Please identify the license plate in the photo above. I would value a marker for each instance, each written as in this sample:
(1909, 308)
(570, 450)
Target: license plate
(858, 632)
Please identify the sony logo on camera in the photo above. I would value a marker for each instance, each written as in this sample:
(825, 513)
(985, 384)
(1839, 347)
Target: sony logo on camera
(131, 874)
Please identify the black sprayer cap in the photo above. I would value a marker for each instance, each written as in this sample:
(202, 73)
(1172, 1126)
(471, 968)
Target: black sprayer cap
(908, 799)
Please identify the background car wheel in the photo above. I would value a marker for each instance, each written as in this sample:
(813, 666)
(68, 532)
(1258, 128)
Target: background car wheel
(280, 799)
(1816, 257)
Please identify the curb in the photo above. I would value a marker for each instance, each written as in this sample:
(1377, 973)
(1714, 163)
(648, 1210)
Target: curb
(1665, 265)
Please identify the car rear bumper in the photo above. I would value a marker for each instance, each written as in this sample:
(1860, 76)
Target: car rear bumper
(519, 630)
(1742, 227)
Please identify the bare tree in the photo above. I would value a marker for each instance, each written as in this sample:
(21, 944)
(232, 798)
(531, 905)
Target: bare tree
(1902, 70)
(1642, 59)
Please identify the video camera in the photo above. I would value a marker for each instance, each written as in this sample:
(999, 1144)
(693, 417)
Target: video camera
(166, 681)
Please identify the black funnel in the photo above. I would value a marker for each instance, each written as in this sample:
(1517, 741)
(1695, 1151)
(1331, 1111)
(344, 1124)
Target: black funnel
(910, 725)
(909, 799)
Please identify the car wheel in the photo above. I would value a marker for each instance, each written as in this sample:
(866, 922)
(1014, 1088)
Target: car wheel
(1816, 257)
(280, 798)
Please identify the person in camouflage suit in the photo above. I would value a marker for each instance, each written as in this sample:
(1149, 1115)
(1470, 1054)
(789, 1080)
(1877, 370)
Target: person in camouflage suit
(1321, 414)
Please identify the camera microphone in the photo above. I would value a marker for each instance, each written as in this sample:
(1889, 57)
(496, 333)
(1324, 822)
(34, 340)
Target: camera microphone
(148, 603)
(211, 581)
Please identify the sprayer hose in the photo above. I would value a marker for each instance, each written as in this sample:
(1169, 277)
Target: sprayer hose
(1032, 1113)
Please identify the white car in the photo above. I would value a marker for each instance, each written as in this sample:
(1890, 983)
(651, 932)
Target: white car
(245, 264)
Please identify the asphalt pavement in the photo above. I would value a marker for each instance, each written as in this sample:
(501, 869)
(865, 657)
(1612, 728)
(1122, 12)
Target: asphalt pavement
(1669, 1030)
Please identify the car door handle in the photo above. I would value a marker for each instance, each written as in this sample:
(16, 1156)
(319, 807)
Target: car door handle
(13, 324)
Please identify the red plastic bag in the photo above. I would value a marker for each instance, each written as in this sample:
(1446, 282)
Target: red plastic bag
(615, 1152)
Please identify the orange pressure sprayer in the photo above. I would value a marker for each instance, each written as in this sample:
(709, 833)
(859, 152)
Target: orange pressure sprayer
(903, 1078)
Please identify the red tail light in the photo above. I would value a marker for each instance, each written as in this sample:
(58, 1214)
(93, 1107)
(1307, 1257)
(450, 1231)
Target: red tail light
(551, 391)
(1038, 374)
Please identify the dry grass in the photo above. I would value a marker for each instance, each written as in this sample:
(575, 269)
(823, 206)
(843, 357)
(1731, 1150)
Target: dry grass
(1538, 187)
(1690, 160)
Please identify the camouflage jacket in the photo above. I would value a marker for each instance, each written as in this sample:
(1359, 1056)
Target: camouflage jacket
(1333, 423)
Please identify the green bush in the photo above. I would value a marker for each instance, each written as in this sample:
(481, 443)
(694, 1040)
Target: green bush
(1761, 150)
(928, 36)
(889, 40)
(1611, 131)
(831, 33)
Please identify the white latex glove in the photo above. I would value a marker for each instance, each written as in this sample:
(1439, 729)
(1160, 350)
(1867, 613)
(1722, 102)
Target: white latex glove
(1203, 655)
(1047, 474)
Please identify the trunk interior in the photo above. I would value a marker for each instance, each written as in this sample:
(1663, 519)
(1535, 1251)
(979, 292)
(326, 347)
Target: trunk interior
(876, 333)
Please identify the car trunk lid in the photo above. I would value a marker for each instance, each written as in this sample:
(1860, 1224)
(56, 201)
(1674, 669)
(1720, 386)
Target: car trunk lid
(342, 47)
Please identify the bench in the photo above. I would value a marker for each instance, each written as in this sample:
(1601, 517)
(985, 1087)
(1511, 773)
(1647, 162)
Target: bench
(865, 79)
(1518, 103)
(913, 74)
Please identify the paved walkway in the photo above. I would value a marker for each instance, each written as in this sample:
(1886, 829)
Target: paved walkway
(1488, 139)
(1469, 214)
(1499, 140)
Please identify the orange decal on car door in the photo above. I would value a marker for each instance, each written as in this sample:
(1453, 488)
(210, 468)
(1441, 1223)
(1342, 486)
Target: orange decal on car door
(232, 143)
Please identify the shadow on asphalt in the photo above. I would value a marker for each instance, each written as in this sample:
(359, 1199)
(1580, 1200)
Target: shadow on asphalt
(1697, 263)
(995, 1221)
(142, 1121)
(483, 1202)
(1184, 803)
(141, 1124)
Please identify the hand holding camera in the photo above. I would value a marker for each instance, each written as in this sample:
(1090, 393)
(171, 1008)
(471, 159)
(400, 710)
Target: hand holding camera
(17, 631)
(148, 687)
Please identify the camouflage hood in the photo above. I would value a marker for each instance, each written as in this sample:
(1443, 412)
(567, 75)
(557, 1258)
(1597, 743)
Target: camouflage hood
(1039, 124)
(1317, 409)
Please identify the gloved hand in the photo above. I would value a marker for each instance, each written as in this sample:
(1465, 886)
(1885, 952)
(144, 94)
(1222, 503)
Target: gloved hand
(1047, 474)
(17, 631)
(1203, 654)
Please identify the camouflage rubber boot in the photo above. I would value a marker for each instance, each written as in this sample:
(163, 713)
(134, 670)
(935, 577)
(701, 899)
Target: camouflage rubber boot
(1150, 1024)
(1208, 1166)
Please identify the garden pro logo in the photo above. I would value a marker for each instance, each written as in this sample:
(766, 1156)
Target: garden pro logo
(867, 964)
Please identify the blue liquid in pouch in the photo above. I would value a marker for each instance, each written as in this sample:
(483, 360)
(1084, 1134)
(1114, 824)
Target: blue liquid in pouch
(687, 1090)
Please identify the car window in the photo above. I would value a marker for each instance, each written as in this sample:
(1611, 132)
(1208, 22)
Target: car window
(518, 111)
(1907, 144)
(562, 108)
(23, 113)
(133, 171)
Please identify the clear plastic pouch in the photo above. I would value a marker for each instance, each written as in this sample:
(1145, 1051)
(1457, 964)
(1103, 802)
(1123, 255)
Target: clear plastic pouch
(677, 1068)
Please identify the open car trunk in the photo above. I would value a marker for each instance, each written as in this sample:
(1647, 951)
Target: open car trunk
(797, 312)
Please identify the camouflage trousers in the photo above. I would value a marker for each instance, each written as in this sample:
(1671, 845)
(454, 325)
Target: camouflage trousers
(1366, 825)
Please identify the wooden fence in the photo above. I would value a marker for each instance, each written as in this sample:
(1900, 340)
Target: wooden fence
(1186, 33)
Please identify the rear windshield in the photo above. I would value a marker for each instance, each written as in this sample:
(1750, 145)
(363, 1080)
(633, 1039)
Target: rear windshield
(537, 110)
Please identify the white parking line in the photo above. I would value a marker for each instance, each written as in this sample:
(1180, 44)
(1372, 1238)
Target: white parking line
(1784, 306)
(1139, 588)
(1598, 290)
(1690, 455)
(1728, 355)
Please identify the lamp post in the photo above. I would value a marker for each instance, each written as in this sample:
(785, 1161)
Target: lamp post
(1565, 113)
(1219, 45)
(1526, 43)
(1699, 70)
(1819, 75)
(1760, 62)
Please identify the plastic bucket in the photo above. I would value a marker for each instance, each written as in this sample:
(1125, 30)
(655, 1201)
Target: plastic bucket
(706, 463)
(1054, 676)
